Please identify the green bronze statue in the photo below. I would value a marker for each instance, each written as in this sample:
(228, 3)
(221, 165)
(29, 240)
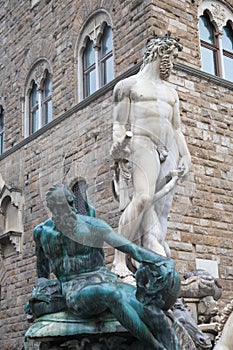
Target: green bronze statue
(71, 246)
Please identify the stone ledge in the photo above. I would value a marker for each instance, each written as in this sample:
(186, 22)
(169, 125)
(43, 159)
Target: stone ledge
(13, 237)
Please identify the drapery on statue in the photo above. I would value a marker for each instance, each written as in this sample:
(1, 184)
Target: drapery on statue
(149, 147)
(71, 245)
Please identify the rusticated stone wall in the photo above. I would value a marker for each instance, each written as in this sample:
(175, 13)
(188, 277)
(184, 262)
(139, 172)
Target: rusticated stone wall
(51, 29)
(203, 227)
(76, 144)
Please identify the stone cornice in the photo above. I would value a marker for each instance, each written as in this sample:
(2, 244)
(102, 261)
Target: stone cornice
(204, 76)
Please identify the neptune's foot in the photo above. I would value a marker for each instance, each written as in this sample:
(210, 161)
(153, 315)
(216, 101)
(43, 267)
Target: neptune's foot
(124, 274)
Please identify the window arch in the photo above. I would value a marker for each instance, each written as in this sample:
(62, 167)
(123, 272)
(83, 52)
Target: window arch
(106, 57)
(95, 54)
(216, 39)
(38, 97)
(209, 45)
(11, 205)
(10, 214)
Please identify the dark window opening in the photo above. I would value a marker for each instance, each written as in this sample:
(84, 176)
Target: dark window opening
(79, 190)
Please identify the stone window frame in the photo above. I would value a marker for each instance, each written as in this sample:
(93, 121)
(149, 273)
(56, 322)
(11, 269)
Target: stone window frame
(93, 28)
(11, 208)
(219, 15)
(2, 121)
(37, 75)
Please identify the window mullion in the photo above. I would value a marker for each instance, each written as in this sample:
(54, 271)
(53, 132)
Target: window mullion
(40, 108)
(220, 56)
(97, 71)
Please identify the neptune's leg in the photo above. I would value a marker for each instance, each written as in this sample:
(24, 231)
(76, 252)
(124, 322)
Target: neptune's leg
(94, 299)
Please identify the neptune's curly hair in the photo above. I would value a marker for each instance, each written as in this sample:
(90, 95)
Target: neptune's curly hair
(163, 47)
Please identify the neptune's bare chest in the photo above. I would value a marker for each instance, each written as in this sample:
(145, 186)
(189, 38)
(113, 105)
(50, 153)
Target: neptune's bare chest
(147, 91)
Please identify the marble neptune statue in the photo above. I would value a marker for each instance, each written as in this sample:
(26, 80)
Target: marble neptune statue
(148, 146)
(71, 246)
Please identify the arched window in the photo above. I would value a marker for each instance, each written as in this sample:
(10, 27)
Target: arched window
(38, 100)
(11, 214)
(209, 45)
(95, 54)
(1, 129)
(47, 99)
(89, 69)
(11, 205)
(98, 62)
(216, 39)
(227, 45)
(106, 57)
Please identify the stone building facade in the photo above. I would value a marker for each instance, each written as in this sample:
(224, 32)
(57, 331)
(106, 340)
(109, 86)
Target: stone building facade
(40, 37)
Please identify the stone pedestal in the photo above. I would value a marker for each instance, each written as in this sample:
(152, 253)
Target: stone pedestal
(63, 331)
